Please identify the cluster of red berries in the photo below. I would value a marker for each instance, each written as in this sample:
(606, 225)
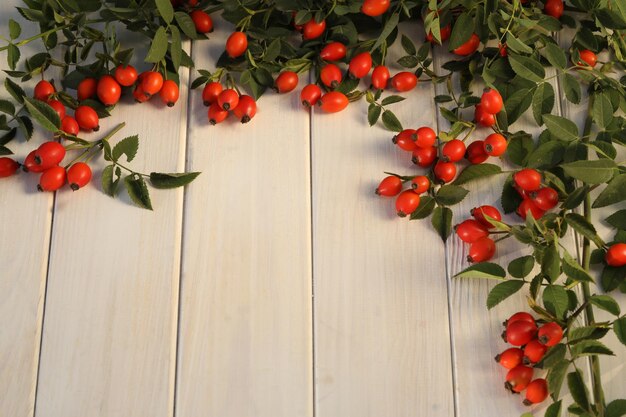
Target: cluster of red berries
(224, 101)
(408, 200)
(536, 199)
(530, 346)
(476, 232)
(45, 160)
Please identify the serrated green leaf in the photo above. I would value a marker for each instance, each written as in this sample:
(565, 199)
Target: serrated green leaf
(13, 56)
(573, 270)
(474, 172)
(392, 99)
(543, 101)
(373, 113)
(127, 146)
(554, 355)
(550, 263)
(521, 267)
(578, 390)
(613, 193)
(185, 23)
(503, 291)
(43, 114)
(555, 55)
(172, 180)
(389, 27)
(138, 191)
(571, 86)
(15, 90)
(391, 122)
(158, 47)
(578, 334)
(616, 408)
(527, 68)
(486, 270)
(166, 10)
(555, 300)
(462, 31)
(602, 110)
(584, 227)
(606, 303)
(450, 194)
(590, 347)
(442, 222)
(425, 209)
(554, 410)
(15, 30)
(176, 47)
(26, 126)
(560, 127)
(555, 377)
(617, 219)
(591, 172)
(619, 327)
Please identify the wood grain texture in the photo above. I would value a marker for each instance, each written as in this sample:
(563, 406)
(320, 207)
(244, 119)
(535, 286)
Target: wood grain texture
(246, 310)
(111, 312)
(24, 243)
(381, 313)
(476, 330)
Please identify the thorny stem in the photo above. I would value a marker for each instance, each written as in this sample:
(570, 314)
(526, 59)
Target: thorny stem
(596, 376)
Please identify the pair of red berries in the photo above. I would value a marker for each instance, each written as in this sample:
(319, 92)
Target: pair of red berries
(490, 105)
(476, 232)
(407, 201)
(531, 344)
(222, 102)
(331, 102)
(46, 159)
(536, 199)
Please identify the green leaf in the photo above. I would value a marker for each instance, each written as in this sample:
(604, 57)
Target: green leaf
(606, 303)
(450, 194)
(172, 180)
(391, 100)
(584, 227)
(43, 114)
(573, 270)
(616, 408)
(555, 300)
(13, 56)
(619, 327)
(408, 45)
(127, 146)
(462, 31)
(442, 222)
(578, 334)
(527, 68)
(425, 209)
(158, 48)
(166, 10)
(543, 101)
(502, 291)
(550, 263)
(590, 172)
(138, 191)
(554, 355)
(578, 390)
(560, 127)
(617, 219)
(554, 410)
(602, 110)
(389, 27)
(575, 198)
(7, 107)
(373, 113)
(555, 55)
(613, 193)
(515, 45)
(391, 122)
(185, 23)
(555, 377)
(474, 172)
(14, 29)
(26, 126)
(590, 347)
(15, 90)
(109, 186)
(521, 267)
(571, 86)
(176, 47)
(485, 270)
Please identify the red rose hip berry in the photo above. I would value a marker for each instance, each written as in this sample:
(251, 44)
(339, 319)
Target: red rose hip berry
(420, 184)
(510, 358)
(108, 90)
(49, 154)
(202, 21)
(43, 90)
(616, 255)
(125, 75)
(495, 145)
(519, 333)
(536, 392)
(313, 29)
(483, 118)
(453, 151)
(475, 153)
(534, 351)
(228, 99)
(87, 118)
(236, 44)
(380, 77)
(445, 171)
(246, 109)
(550, 334)
(169, 93)
(333, 102)
(52, 179)
(78, 175)
(375, 8)
(424, 157)
(286, 81)
(481, 250)
(470, 231)
(406, 203)
(360, 65)
(8, 167)
(491, 101)
(389, 187)
(404, 81)
(333, 51)
(310, 95)
(86, 88)
(528, 179)
(151, 82)
(479, 214)
(518, 378)
(216, 114)
(330, 75)
(545, 198)
(210, 92)
(426, 137)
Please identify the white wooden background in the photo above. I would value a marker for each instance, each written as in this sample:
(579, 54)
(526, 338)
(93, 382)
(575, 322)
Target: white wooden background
(276, 285)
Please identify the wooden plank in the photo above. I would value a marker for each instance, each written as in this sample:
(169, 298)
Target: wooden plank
(475, 330)
(109, 340)
(245, 329)
(24, 242)
(382, 346)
